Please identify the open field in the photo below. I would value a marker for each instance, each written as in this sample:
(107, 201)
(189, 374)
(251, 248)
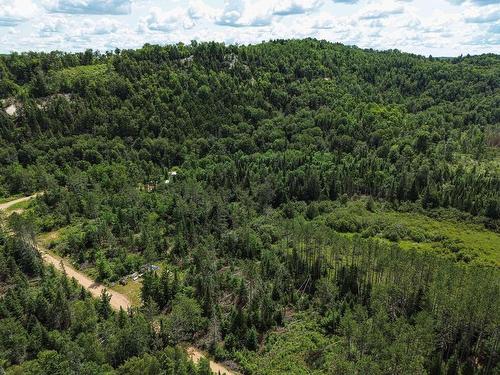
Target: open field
(462, 241)
(72, 74)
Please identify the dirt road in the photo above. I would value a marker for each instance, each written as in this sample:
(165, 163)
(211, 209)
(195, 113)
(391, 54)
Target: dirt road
(196, 355)
(6, 205)
(117, 299)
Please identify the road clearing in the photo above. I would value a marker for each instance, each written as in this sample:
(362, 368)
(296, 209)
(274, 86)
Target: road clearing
(117, 300)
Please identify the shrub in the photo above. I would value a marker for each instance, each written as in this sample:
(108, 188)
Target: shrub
(395, 232)
(344, 223)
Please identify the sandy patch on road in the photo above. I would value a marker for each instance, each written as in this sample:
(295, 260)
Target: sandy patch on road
(196, 355)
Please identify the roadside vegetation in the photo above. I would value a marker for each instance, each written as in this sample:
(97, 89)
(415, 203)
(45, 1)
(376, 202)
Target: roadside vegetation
(312, 208)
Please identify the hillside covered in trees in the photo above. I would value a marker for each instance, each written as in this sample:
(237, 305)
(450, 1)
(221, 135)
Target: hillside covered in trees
(312, 208)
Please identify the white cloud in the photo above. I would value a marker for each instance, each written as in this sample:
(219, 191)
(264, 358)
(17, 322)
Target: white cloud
(421, 26)
(52, 26)
(240, 13)
(324, 21)
(475, 2)
(178, 18)
(175, 19)
(197, 9)
(289, 7)
(381, 10)
(483, 39)
(255, 13)
(103, 26)
(112, 7)
(79, 27)
(14, 12)
(482, 15)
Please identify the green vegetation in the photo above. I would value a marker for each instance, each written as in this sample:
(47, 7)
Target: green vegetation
(19, 206)
(73, 74)
(51, 325)
(11, 198)
(65, 79)
(433, 231)
(132, 290)
(333, 210)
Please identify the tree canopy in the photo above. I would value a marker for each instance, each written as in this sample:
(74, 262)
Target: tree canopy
(312, 208)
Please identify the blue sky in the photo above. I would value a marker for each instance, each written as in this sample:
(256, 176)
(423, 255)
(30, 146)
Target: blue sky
(437, 27)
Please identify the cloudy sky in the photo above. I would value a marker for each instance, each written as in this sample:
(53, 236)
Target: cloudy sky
(437, 27)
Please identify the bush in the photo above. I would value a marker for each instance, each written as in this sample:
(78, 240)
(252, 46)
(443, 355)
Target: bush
(185, 319)
(220, 354)
(395, 232)
(344, 223)
(418, 235)
(371, 231)
(312, 211)
(370, 204)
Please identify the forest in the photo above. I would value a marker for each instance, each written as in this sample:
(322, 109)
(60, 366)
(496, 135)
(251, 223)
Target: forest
(309, 208)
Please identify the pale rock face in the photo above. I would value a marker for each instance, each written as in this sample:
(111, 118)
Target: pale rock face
(11, 110)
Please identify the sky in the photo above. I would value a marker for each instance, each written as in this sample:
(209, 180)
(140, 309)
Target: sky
(426, 27)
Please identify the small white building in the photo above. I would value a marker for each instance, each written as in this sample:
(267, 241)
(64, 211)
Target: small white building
(171, 175)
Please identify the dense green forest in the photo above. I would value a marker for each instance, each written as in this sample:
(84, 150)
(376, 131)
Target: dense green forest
(313, 209)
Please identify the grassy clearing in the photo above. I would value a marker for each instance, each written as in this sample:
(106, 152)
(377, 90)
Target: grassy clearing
(132, 290)
(50, 239)
(462, 241)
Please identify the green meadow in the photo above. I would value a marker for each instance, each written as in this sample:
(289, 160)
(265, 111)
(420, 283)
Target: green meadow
(463, 241)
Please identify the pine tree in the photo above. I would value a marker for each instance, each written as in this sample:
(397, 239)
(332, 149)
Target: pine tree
(166, 291)
(122, 318)
(104, 307)
(251, 339)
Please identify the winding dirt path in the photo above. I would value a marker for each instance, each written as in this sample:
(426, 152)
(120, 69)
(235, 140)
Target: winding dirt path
(117, 299)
